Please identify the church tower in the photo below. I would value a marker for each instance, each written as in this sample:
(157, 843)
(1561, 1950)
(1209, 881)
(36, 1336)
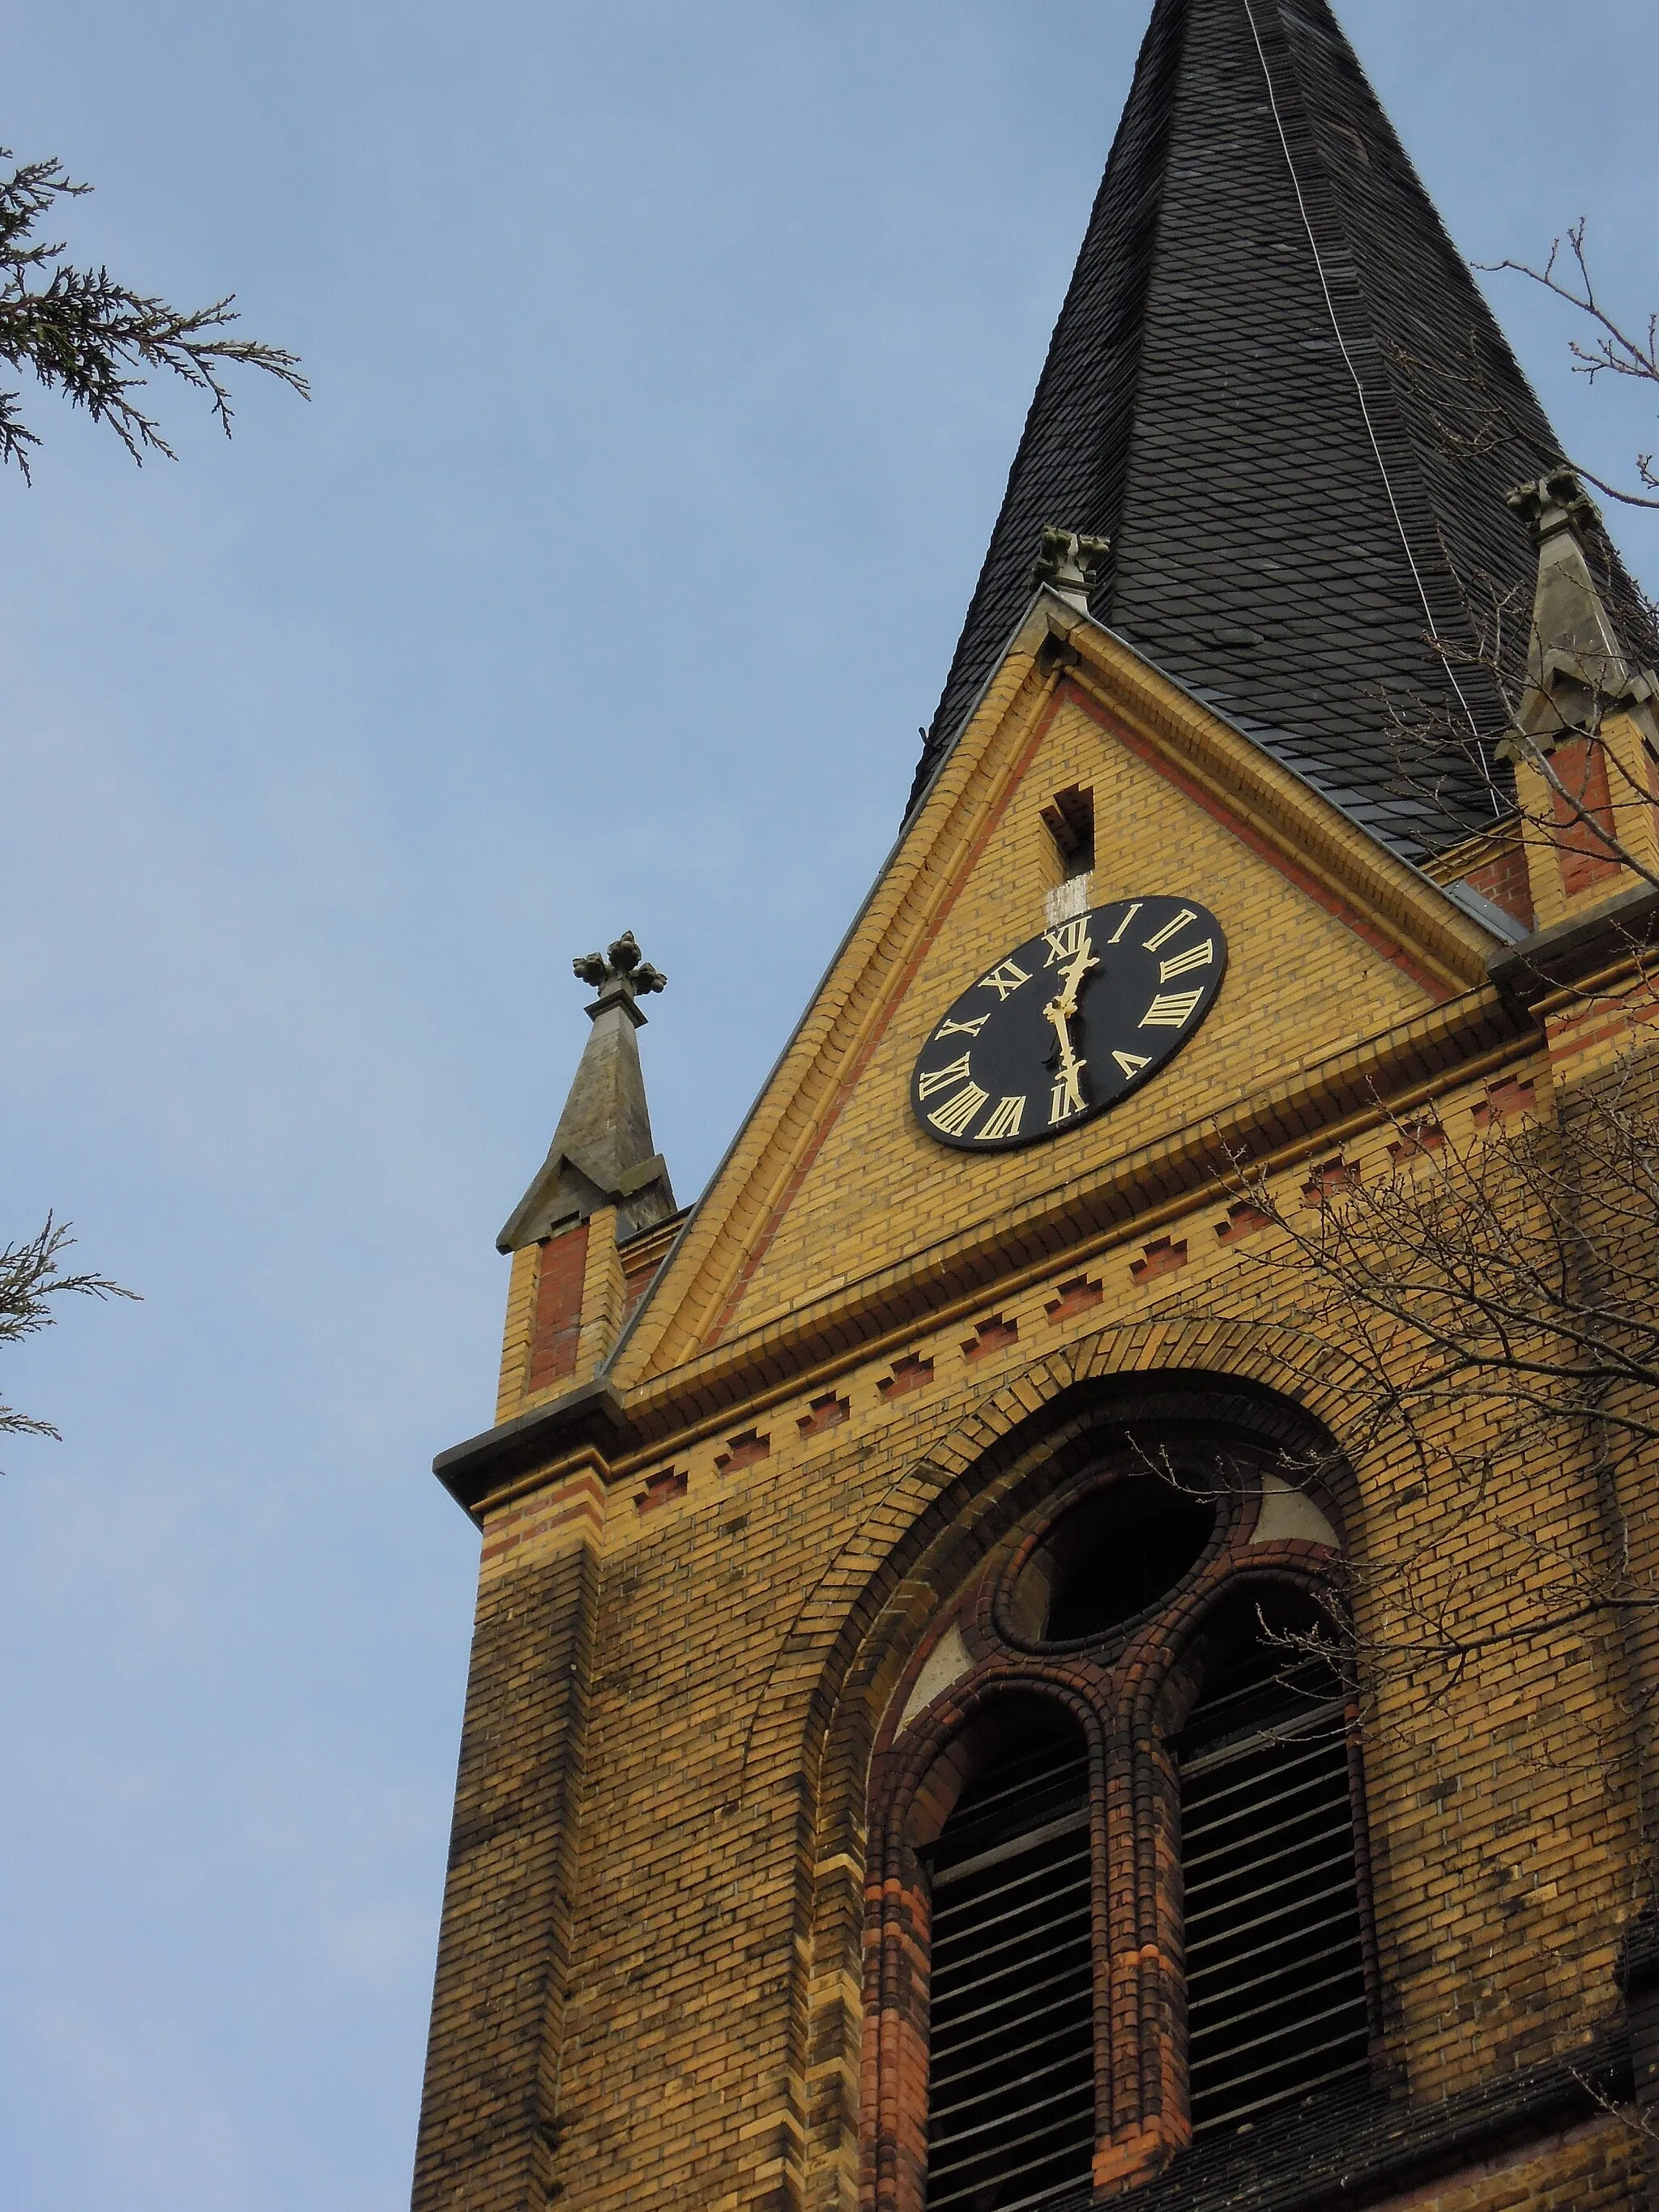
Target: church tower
(941, 1736)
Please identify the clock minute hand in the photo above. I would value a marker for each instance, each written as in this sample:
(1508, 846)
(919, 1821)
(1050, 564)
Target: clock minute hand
(1073, 978)
(1071, 1067)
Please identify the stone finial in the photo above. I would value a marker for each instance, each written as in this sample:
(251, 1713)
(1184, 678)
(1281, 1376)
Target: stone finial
(1553, 503)
(619, 971)
(602, 1152)
(1070, 565)
(1576, 670)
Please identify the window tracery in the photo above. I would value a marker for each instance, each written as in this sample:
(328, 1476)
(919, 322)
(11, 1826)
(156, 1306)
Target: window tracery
(1117, 1857)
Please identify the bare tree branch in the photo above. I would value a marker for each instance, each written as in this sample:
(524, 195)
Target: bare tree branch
(1496, 1295)
(1613, 351)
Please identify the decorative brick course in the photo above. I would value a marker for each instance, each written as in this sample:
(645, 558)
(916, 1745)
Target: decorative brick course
(1072, 1298)
(1328, 1180)
(994, 1336)
(1162, 1257)
(661, 1488)
(911, 1372)
(1506, 1101)
(827, 1412)
(1418, 1139)
(1243, 1219)
(743, 1451)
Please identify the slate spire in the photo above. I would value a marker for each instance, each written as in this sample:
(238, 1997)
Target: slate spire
(601, 1154)
(1276, 389)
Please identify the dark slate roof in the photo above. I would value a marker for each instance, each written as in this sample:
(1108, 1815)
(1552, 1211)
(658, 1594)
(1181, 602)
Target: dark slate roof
(1260, 255)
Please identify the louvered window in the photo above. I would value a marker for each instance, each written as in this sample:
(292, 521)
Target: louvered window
(1276, 1994)
(1010, 2072)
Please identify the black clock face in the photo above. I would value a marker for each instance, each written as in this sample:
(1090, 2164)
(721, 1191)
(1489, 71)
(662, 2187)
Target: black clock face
(1069, 1023)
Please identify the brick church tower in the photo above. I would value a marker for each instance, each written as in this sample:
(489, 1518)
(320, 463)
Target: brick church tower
(933, 1742)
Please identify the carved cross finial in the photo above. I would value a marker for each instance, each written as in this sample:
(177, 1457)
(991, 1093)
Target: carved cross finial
(1555, 502)
(1070, 565)
(619, 969)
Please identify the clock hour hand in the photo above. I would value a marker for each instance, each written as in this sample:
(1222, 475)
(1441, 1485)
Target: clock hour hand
(1071, 1067)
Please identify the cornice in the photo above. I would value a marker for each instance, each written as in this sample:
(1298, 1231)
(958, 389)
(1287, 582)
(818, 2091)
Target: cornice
(1471, 1038)
(1587, 948)
(591, 1419)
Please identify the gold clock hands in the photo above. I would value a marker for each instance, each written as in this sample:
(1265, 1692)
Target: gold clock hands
(1071, 1067)
(1060, 1014)
(1072, 977)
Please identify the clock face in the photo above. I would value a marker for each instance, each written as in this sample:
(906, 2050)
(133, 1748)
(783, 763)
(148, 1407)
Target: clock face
(1069, 1023)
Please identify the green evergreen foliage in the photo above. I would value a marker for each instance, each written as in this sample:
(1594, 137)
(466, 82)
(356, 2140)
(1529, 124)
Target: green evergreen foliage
(82, 333)
(30, 1277)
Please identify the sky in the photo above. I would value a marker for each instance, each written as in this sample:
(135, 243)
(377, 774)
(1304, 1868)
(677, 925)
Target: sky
(668, 362)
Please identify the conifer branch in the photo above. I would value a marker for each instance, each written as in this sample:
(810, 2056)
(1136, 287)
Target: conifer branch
(80, 332)
(30, 1277)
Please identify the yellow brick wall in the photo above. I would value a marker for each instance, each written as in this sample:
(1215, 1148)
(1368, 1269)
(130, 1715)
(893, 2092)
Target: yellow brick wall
(1501, 1842)
(750, 1618)
(1278, 867)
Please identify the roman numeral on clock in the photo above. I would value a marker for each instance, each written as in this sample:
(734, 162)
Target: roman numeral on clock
(1170, 1009)
(954, 1115)
(1004, 1121)
(1183, 964)
(1004, 980)
(1068, 1101)
(1160, 938)
(1132, 1062)
(941, 1078)
(960, 1029)
(1067, 941)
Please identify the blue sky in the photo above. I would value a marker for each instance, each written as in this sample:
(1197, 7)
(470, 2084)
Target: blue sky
(668, 362)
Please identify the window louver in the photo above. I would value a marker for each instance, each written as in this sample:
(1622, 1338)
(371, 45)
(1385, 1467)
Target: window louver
(1011, 2034)
(1276, 1997)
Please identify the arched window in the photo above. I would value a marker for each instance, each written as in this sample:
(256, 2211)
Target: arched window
(1114, 1975)
(1277, 1999)
(1010, 2076)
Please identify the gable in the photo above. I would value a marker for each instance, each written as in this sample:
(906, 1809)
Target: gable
(1330, 941)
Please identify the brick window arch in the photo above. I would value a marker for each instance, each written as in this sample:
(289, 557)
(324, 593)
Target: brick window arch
(1117, 1728)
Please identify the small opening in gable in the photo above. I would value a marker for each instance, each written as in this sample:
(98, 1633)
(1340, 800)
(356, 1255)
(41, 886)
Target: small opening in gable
(1069, 819)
